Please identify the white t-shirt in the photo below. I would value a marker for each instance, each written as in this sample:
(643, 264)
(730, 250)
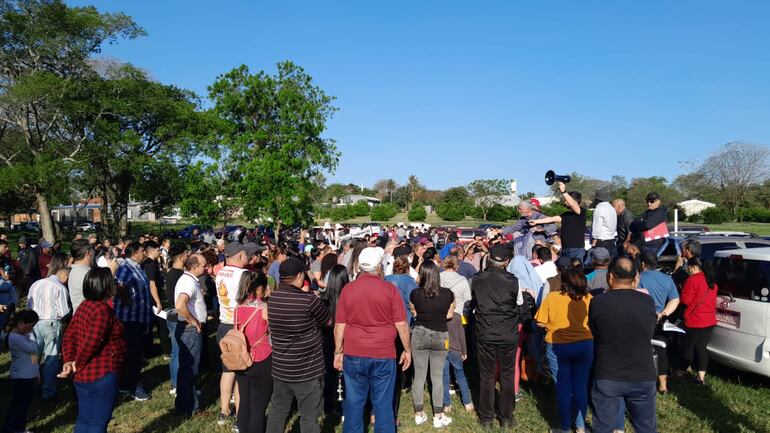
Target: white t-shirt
(189, 285)
(227, 281)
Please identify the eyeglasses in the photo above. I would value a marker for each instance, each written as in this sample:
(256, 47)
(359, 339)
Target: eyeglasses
(651, 201)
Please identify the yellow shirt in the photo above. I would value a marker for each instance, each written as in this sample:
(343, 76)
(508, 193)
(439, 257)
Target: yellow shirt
(565, 320)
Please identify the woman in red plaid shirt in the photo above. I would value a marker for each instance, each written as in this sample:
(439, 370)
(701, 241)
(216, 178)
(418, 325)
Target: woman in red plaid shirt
(94, 349)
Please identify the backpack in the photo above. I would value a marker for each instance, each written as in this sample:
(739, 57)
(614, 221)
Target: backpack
(236, 353)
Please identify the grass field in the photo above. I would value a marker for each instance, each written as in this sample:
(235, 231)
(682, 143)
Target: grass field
(731, 402)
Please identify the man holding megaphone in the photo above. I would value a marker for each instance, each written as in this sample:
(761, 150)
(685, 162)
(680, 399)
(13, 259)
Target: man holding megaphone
(573, 222)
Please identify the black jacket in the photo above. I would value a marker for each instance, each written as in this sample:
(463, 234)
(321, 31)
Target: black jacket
(494, 294)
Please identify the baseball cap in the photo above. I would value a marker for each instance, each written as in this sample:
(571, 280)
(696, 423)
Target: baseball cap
(500, 253)
(535, 202)
(402, 251)
(309, 248)
(252, 248)
(23, 240)
(653, 196)
(370, 258)
(233, 249)
(599, 253)
(45, 244)
(291, 267)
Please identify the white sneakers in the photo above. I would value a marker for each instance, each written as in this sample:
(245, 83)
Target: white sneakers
(419, 419)
(441, 421)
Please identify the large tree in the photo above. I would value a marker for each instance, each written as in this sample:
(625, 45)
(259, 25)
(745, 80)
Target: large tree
(47, 105)
(734, 169)
(275, 139)
(385, 189)
(488, 192)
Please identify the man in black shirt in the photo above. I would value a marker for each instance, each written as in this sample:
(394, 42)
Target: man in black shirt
(625, 219)
(573, 224)
(496, 300)
(623, 322)
(655, 215)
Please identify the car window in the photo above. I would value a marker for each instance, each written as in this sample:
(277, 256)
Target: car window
(756, 245)
(466, 233)
(744, 279)
(708, 249)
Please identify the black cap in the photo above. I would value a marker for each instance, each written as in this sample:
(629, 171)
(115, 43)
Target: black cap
(653, 196)
(291, 267)
(402, 251)
(500, 253)
(176, 249)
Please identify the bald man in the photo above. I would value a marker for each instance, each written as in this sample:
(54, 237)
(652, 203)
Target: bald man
(625, 218)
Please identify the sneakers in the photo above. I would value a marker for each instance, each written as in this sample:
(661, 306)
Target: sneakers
(222, 419)
(469, 407)
(519, 396)
(173, 391)
(140, 394)
(441, 421)
(420, 419)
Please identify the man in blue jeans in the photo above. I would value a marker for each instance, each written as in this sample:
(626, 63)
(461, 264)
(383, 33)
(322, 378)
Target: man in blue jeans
(370, 312)
(622, 322)
(191, 311)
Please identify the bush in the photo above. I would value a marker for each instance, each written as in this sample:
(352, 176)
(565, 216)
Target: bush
(450, 211)
(715, 215)
(342, 213)
(417, 213)
(361, 208)
(754, 215)
(554, 209)
(695, 218)
(384, 212)
(475, 212)
(502, 213)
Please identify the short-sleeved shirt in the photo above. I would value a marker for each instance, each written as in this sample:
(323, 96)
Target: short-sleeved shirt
(370, 307)
(228, 281)
(660, 286)
(189, 285)
(172, 276)
(152, 270)
(75, 284)
(432, 312)
(405, 285)
(566, 320)
(573, 229)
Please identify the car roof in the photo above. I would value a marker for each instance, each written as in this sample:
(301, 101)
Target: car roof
(747, 253)
(722, 235)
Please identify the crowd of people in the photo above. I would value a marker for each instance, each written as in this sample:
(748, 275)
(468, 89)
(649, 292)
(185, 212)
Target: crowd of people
(318, 318)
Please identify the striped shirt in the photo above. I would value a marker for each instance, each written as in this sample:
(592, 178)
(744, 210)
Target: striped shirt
(48, 298)
(137, 288)
(296, 318)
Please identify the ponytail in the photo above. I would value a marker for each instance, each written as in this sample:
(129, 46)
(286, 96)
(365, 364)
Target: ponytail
(708, 269)
(23, 316)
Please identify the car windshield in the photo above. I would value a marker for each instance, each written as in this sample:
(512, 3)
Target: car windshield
(744, 279)
(466, 233)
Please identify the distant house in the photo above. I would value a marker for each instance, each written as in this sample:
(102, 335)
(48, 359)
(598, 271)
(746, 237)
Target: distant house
(694, 207)
(355, 198)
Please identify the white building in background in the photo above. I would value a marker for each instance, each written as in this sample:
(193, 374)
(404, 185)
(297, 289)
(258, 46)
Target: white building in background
(355, 198)
(694, 207)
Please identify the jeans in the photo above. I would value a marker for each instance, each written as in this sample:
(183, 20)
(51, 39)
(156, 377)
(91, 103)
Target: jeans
(21, 398)
(132, 366)
(189, 341)
(96, 400)
(309, 405)
(570, 365)
(255, 386)
(48, 334)
(490, 358)
(428, 347)
(455, 360)
(173, 364)
(364, 378)
(639, 398)
(535, 346)
(574, 253)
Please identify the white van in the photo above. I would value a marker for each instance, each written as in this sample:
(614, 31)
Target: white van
(740, 339)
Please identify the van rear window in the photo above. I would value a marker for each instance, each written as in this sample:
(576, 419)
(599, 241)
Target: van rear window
(744, 279)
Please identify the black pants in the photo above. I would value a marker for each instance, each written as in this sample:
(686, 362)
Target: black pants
(490, 358)
(609, 245)
(309, 405)
(694, 348)
(22, 391)
(255, 386)
(662, 353)
(134, 333)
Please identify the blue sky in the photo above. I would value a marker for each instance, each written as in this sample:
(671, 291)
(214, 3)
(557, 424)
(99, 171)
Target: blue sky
(457, 90)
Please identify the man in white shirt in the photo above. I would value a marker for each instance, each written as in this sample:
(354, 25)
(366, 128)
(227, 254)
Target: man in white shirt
(191, 311)
(605, 223)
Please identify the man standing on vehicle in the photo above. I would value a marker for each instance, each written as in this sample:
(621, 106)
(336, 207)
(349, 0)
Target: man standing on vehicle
(625, 219)
(573, 224)
(653, 218)
(605, 223)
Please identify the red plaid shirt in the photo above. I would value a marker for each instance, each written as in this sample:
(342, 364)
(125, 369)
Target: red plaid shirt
(94, 340)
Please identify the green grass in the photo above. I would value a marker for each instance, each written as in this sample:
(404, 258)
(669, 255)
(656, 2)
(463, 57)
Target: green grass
(731, 402)
(761, 229)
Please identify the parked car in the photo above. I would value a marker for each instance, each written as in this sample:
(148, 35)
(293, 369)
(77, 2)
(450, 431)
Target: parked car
(490, 226)
(466, 234)
(186, 233)
(711, 242)
(740, 338)
(86, 227)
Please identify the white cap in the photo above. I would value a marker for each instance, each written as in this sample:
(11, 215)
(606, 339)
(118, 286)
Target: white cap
(327, 225)
(370, 258)
(338, 226)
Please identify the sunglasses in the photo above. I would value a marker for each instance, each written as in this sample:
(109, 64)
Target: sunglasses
(651, 201)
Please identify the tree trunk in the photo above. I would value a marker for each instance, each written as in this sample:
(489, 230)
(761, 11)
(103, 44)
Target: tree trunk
(277, 229)
(45, 217)
(107, 228)
(123, 220)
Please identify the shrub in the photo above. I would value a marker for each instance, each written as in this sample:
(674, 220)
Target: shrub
(501, 213)
(554, 209)
(475, 212)
(715, 215)
(384, 212)
(754, 215)
(417, 213)
(361, 208)
(450, 211)
(342, 213)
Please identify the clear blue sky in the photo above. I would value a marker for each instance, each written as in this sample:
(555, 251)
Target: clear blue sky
(457, 90)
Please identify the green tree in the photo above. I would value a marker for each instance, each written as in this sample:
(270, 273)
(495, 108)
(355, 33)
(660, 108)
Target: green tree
(417, 212)
(414, 188)
(275, 138)
(734, 170)
(488, 192)
(47, 107)
(450, 211)
(636, 199)
(385, 189)
(209, 194)
(383, 212)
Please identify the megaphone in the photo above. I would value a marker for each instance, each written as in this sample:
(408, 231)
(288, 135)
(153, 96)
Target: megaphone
(551, 178)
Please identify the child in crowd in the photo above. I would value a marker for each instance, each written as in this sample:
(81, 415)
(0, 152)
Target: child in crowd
(458, 351)
(25, 371)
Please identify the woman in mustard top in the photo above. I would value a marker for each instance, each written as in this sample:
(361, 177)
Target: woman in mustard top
(569, 346)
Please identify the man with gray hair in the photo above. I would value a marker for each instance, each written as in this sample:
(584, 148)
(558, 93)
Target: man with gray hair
(496, 299)
(625, 219)
(522, 227)
(370, 313)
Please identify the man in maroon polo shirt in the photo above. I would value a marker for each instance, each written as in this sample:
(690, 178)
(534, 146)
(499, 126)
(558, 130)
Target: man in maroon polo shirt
(370, 313)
